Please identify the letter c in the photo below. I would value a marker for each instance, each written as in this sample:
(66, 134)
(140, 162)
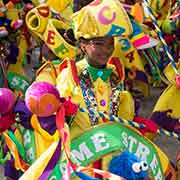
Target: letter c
(103, 19)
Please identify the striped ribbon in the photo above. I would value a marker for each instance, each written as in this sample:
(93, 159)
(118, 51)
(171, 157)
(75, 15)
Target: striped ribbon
(165, 46)
(112, 118)
(104, 174)
(160, 131)
(154, 70)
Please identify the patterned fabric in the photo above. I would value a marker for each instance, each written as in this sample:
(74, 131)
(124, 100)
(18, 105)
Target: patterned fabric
(89, 96)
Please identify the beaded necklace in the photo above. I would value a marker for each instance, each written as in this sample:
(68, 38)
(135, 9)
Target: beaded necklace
(89, 97)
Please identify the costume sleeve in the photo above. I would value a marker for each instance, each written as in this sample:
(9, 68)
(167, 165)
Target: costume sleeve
(170, 73)
(64, 83)
(126, 107)
(47, 76)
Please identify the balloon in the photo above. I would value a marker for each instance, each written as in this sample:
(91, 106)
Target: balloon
(7, 100)
(42, 99)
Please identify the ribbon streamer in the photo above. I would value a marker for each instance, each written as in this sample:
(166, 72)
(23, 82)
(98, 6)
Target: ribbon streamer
(60, 115)
(52, 163)
(160, 131)
(112, 118)
(19, 162)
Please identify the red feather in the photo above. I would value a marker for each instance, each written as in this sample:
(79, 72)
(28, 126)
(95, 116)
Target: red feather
(6, 121)
(74, 72)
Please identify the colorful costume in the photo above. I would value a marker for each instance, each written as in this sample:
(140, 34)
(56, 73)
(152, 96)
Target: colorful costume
(8, 17)
(93, 88)
(93, 92)
(14, 164)
(166, 113)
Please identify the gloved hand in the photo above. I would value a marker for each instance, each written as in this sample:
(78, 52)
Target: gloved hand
(151, 126)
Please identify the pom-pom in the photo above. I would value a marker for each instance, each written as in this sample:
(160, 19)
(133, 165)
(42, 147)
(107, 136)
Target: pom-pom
(70, 108)
(6, 121)
(128, 166)
(42, 99)
(7, 100)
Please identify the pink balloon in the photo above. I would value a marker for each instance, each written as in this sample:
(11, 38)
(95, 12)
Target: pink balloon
(36, 99)
(7, 100)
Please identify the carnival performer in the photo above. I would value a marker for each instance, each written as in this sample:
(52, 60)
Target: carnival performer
(96, 81)
(93, 82)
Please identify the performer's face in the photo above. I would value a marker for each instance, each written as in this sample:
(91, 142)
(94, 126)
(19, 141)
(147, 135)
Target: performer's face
(98, 50)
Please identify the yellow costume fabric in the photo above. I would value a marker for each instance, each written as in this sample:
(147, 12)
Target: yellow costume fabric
(131, 61)
(41, 25)
(102, 90)
(46, 76)
(36, 169)
(47, 73)
(169, 100)
(170, 96)
(42, 138)
(166, 111)
(59, 6)
(101, 18)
